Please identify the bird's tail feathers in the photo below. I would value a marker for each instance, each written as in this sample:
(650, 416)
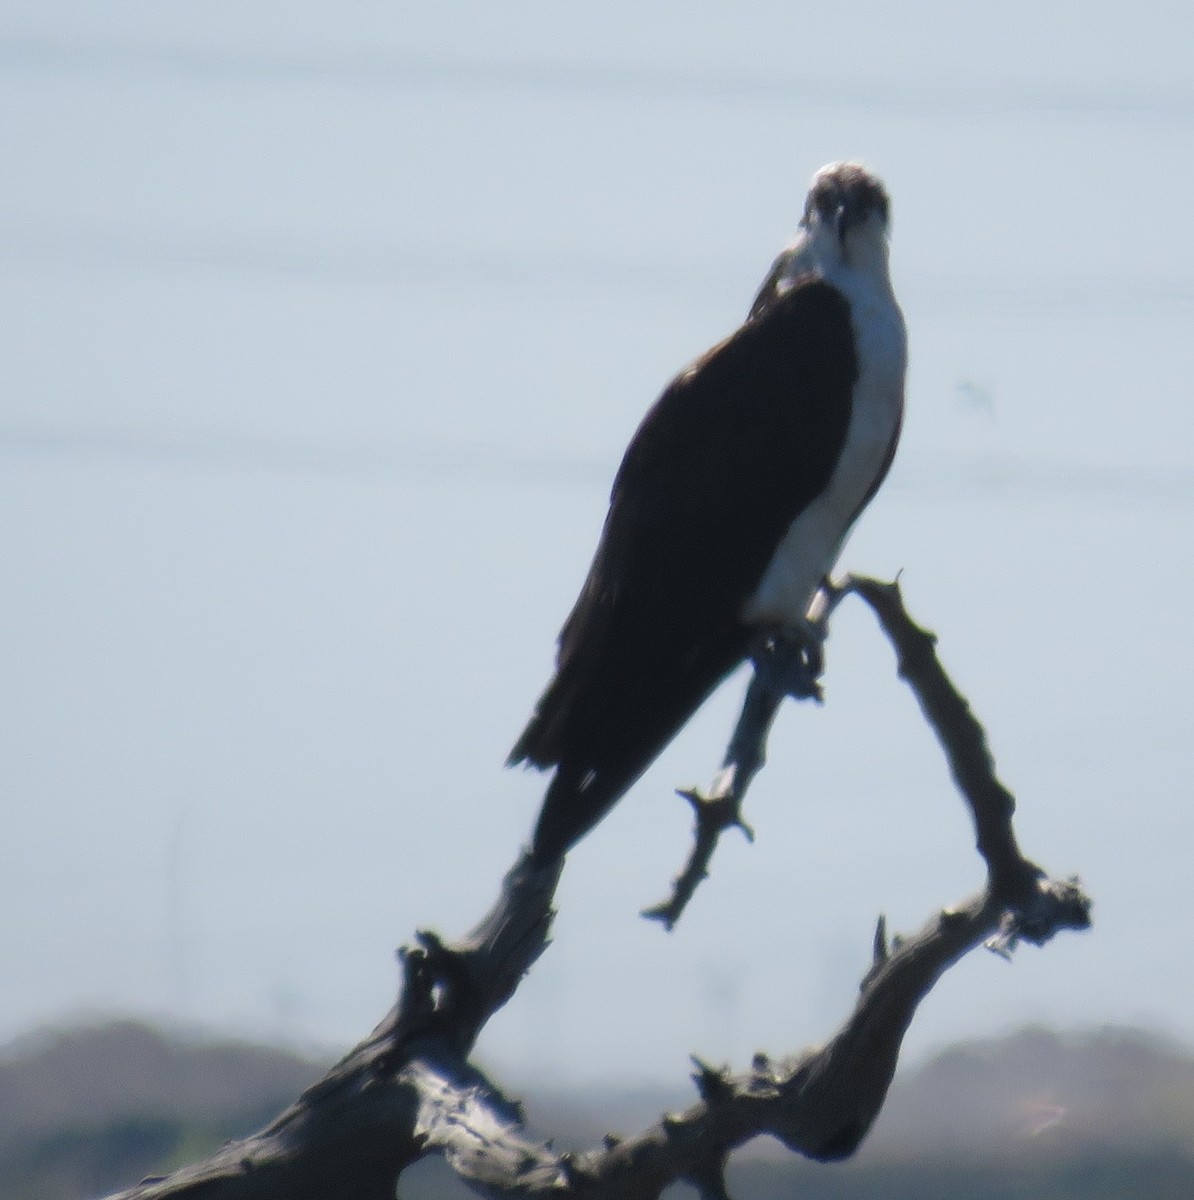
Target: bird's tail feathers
(575, 802)
(544, 742)
(538, 744)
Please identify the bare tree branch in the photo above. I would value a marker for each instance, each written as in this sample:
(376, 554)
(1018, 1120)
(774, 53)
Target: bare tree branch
(408, 1090)
(790, 669)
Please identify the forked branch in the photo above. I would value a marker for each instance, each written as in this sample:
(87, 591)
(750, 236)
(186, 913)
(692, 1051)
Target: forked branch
(409, 1090)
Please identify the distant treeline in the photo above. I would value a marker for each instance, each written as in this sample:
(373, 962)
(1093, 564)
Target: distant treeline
(1107, 1115)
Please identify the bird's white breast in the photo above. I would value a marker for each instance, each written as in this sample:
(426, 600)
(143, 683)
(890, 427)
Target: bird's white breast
(815, 538)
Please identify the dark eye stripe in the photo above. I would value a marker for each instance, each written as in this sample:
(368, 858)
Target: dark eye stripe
(851, 185)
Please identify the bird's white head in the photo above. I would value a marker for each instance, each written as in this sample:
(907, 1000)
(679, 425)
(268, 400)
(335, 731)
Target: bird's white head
(846, 217)
(842, 238)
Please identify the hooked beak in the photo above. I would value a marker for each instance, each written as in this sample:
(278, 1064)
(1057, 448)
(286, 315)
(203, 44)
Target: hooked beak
(842, 222)
(851, 212)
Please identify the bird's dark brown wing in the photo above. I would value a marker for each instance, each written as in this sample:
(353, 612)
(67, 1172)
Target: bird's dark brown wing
(732, 451)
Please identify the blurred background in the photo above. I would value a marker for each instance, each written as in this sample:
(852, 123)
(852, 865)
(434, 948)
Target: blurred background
(322, 330)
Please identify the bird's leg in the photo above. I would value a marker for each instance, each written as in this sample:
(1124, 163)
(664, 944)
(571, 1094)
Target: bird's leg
(787, 662)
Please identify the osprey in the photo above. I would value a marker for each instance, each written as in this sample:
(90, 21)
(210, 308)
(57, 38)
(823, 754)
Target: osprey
(730, 508)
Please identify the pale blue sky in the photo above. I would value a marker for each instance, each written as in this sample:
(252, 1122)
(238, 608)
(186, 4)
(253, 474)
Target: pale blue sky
(322, 329)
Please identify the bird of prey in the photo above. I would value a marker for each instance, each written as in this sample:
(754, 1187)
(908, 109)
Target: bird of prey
(729, 509)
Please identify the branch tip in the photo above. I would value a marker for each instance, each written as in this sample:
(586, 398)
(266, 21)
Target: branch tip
(712, 1083)
(431, 942)
(672, 1123)
(662, 913)
(879, 950)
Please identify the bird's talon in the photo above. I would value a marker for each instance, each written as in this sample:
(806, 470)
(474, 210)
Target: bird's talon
(791, 664)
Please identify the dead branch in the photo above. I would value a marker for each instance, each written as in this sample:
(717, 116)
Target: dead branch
(409, 1090)
(720, 808)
